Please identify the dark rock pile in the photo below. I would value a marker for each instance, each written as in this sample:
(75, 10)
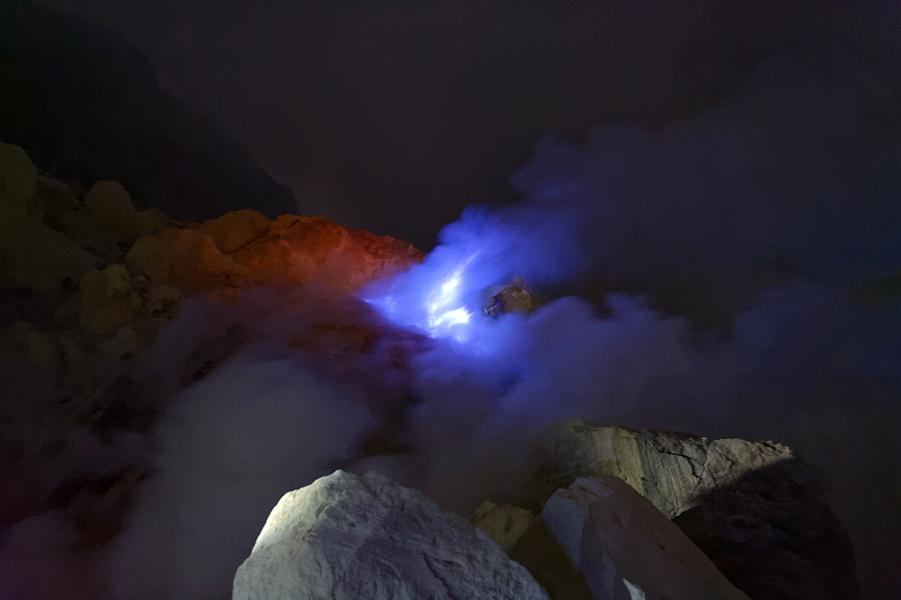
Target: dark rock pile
(622, 514)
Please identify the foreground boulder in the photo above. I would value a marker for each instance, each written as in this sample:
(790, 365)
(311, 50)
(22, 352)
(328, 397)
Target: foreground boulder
(347, 537)
(672, 470)
(626, 549)
(755, 508)
(774, 538)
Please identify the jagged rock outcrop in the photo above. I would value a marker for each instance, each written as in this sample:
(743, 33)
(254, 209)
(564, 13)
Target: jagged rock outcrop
(87, 106)
(672, 470)
(347, 537)
(774, 538)
(755, 508)
(86, 266)
(523, 535)
(244, 249)
(626, 549)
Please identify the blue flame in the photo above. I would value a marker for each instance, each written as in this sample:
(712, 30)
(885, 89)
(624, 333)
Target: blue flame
(443, 296)
(430, 299)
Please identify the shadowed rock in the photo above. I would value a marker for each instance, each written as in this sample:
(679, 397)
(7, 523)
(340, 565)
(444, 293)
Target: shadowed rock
(626, 549)
(756, 509)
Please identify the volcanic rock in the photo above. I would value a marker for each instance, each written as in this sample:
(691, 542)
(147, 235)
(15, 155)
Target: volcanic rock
(503, 523)
(32, 255)
(187, 259)
(109, 204)
(672, 470)
(235, 229)
(107, 299)
(348, 537)
(243, 249)
(755, 508)
(625, 548)
(146, 222)
(83, 228)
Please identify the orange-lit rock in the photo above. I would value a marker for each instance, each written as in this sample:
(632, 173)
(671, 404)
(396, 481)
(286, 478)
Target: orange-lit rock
(299, 249)
(187, 259)
(235, 229)
(243, 249)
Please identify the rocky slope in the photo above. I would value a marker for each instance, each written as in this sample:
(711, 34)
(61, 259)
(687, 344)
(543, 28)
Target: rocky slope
(86, 105)
(89, 279)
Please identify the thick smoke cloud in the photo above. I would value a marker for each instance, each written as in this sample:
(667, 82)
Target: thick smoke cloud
(227, 449)
(798, 176)
(744, 238)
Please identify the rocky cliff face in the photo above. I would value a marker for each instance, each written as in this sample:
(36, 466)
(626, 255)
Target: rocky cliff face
(86, 106)
(87, 279)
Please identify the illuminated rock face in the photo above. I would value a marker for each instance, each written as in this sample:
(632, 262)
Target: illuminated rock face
(626, 549)
(346, 537)
(243, 249)
(755, 508)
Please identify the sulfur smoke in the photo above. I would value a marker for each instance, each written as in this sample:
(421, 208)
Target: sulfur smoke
(722, 275)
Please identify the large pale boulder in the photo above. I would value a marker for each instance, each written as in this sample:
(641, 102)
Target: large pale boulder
(774, 538)
(346, 537)
(626, 549)
(145, 222)
(243, 249)
(298, 249)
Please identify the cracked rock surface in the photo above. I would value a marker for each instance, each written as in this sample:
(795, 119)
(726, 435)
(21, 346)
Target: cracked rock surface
(627, 549)
(672, 470)
(756, 509)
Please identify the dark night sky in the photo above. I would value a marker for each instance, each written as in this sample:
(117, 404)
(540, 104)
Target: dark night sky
(395, 115)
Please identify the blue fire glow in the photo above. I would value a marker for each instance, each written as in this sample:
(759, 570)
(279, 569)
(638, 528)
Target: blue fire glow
(429, 299)
(443, 296)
